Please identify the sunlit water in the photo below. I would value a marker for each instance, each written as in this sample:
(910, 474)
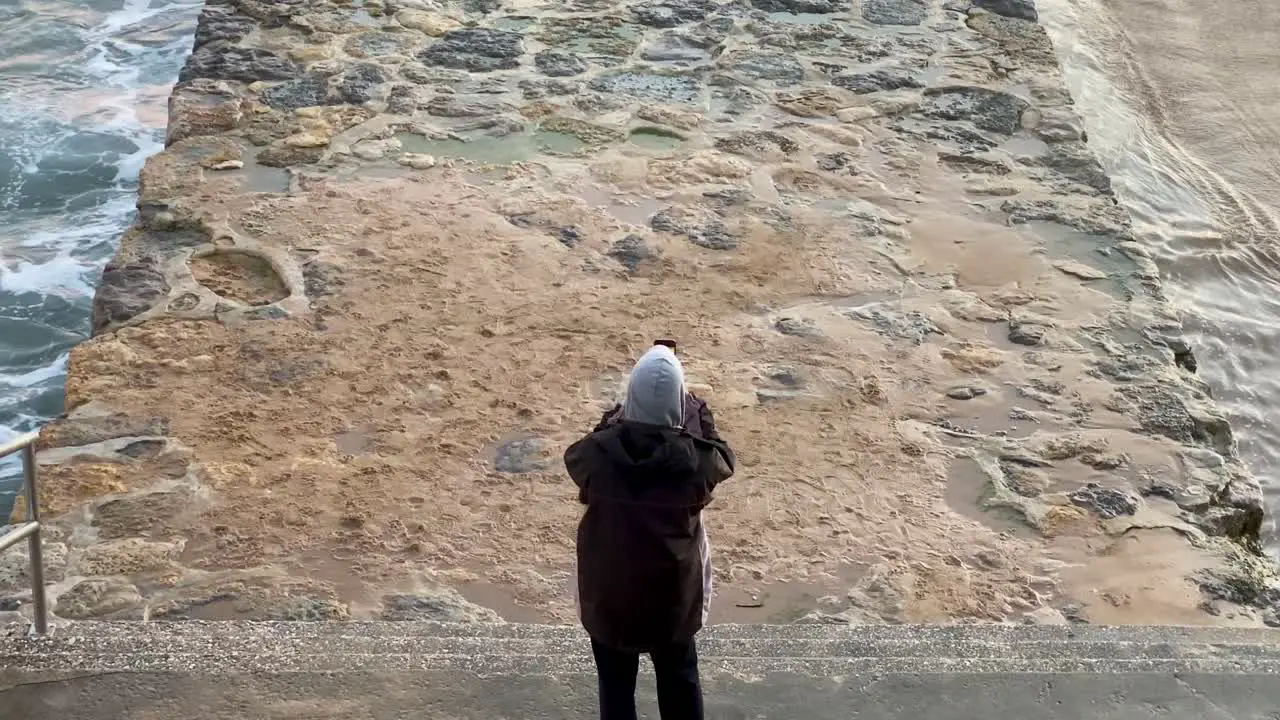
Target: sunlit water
(83, 87)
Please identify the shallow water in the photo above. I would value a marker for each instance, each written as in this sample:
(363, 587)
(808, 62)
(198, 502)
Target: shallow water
(83, 91)
(1182, 107)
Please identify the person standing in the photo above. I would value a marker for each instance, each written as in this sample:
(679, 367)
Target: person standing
(644, 569)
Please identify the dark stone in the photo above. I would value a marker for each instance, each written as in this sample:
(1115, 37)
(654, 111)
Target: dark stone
(631, 251)
(893, 12)
(911, 325)
(74, 432)
(650, 86)
(306, 91)
(987, 109)
(877, 81)
(1161, 411)
(753, 141)
(143, 449)
(569, 236)
(482, 7)
(1160, 489)
(476, 50)
(1020, 9)
(781, 68)
(11, 604)
(523, 455)
(378, 43)
(445, 606)
(966, 393)
(786, 376)
(403, 99)
(321, 278)
(359, 83)
(1100, 218)
(1106, 502)
(671, 13)
(816, 7)
(456, 107)
(222, 61)
(674, 49)
(713, 236)
(797, 327)
(538, 89)
(728, 197)
(1127, 368)
(307, 609)
(222, 22)
(125, 292)
(269, 312)
(1024, 332)
(1076, 162)
(559, 64)
(964, 139)
(284, 156)
(838, 162)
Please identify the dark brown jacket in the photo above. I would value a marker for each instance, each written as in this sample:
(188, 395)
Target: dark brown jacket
(641, 551)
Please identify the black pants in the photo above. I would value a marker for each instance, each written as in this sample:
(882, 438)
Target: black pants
(679, 694)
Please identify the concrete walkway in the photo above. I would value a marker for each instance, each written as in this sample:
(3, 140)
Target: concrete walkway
(103, 671)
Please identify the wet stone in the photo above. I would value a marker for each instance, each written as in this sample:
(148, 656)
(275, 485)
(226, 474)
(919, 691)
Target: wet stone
(1076, 162)
(966, 393)
(476, 50)
(989, 110)
(1106, 502)
(796, 7)
(797, 327)
(378, 44)
(76, 431)
(307, 91)
(443, 605)
(841, 162)
(1023, 332)
(308, 609)
(359, 83)
(757, 141)
(785, 375)
(911, 325)
(523, 455)
(97, 597)
(632, 251)
(224, 22)
(650, 86)
(781, 68)
(456, 107)
(672, 13)
(125, 292)
(403, 99)
(877, 81)
(893, 12)
(559, 64)
(674, 49)
(220, 61)
(570, 237)
(1020, 9)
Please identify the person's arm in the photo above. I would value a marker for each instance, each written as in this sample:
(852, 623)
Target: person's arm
(610, 416)
(575, 462)
(725, 462)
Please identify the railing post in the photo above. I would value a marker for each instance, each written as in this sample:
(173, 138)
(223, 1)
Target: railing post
(38, 604)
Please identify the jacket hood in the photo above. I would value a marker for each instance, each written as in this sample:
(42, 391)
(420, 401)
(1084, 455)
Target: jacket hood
(655, 391)
(643, 450)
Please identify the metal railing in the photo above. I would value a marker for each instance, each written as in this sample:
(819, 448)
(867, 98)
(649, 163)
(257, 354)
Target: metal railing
(30, 529)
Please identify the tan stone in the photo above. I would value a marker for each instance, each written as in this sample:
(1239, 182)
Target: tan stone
(427, 22)
(306, 140)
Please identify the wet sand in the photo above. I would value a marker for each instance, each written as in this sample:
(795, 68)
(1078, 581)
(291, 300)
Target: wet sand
(395, 259)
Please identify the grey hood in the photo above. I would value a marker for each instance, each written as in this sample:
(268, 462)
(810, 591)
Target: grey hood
(655, 392)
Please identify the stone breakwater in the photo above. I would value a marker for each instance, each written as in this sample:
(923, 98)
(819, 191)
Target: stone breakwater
(395, 256)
